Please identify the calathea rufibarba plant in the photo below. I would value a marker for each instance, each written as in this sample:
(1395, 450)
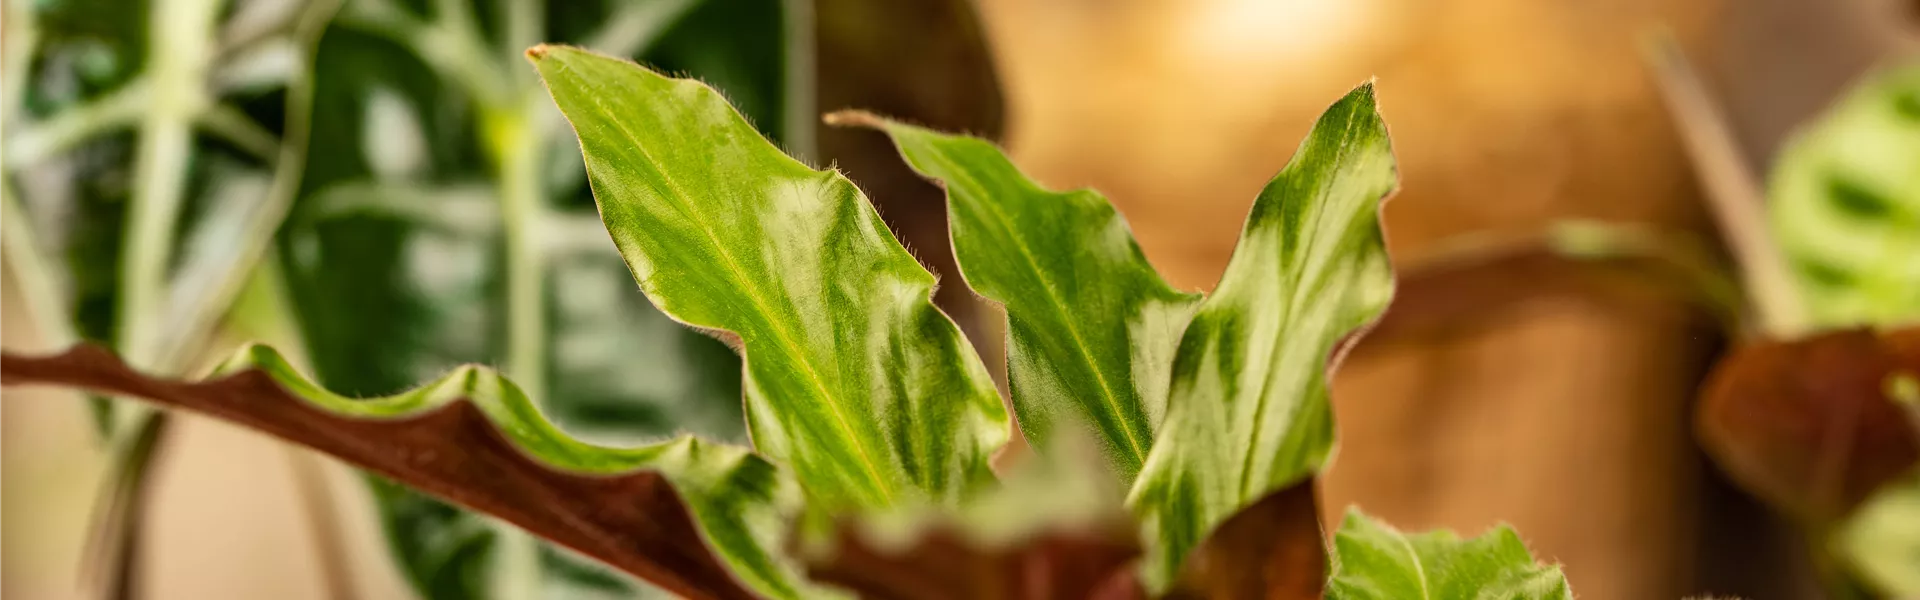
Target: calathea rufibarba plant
(867, 406)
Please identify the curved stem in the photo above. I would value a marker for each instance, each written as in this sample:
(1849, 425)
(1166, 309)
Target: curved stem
(180, 49)
(801, 118)
(71, 126)
(228, 123)
(190, 327)
(24, 260)
(1732, 192)
(522, 209)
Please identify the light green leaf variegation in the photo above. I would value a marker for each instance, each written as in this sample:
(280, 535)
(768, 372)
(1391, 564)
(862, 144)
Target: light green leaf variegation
(1091, 326)
(1881, 539)
(1374, 561)
(854, 380)
(1845, 205)
(1247, 413)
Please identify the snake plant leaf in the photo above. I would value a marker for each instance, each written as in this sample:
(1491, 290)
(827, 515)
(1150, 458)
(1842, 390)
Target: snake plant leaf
(854, 380)
(697, 518)
(1247, 413)
(1845, 205)
(1091, 327)
(1374, 560)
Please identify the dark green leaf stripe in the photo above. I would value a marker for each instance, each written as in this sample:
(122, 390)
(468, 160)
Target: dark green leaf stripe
(1091, 326)
(1247, 413)
(1374, 561)
(854, 379)
(1845, 205)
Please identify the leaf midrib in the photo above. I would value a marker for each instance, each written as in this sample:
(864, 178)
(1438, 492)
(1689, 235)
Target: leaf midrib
(1294, 272)
(1059, 310)
(1419, 569)
(752, 291)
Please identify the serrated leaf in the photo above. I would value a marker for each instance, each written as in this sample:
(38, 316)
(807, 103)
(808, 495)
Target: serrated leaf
(1372, 560)
(854, 380)
(1845, 205)
(697, 518)
(1247, 413)
(1091, 327)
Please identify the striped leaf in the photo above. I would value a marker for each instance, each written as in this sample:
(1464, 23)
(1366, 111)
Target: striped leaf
(1091, 327)
(1845, 205)
(1247, 413)
(854, 380)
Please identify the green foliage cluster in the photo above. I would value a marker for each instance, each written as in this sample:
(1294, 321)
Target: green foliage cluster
(423, 209)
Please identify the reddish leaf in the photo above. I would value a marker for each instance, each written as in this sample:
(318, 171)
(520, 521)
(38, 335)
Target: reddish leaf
(1808, 424)
(942, 564)
(1272, 550)
(634, 521)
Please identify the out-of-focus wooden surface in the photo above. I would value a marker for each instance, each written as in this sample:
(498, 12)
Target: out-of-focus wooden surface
(1565, 417)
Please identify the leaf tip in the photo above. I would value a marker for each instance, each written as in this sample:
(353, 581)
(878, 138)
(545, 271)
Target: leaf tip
(1363, 94)
(538, 52)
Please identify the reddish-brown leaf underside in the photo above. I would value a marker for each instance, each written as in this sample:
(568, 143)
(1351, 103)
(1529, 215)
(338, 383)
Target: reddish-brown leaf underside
(634, 522)
(944, 565)
(1807, 424)
(1272, 550)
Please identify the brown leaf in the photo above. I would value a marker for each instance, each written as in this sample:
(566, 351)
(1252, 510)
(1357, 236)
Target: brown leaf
(1807, 424)
(1272, 550)
(942, 564)
(634, 522)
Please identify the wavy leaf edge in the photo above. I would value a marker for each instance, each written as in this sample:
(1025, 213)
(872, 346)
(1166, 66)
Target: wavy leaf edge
(698, 471)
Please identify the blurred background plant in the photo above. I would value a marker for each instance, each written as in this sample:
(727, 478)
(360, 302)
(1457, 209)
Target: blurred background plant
(382, 184)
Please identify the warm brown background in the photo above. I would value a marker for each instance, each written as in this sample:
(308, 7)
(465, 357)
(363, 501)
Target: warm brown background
(1563, 416)
(1566, 417)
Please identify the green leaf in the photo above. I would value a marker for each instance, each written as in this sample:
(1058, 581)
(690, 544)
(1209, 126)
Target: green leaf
(698, 518)
(1845, 205)
(403, 279)
(854, 380)
(1247, 413)
(1881, 540)
(1091, 326)
(1374, 560)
